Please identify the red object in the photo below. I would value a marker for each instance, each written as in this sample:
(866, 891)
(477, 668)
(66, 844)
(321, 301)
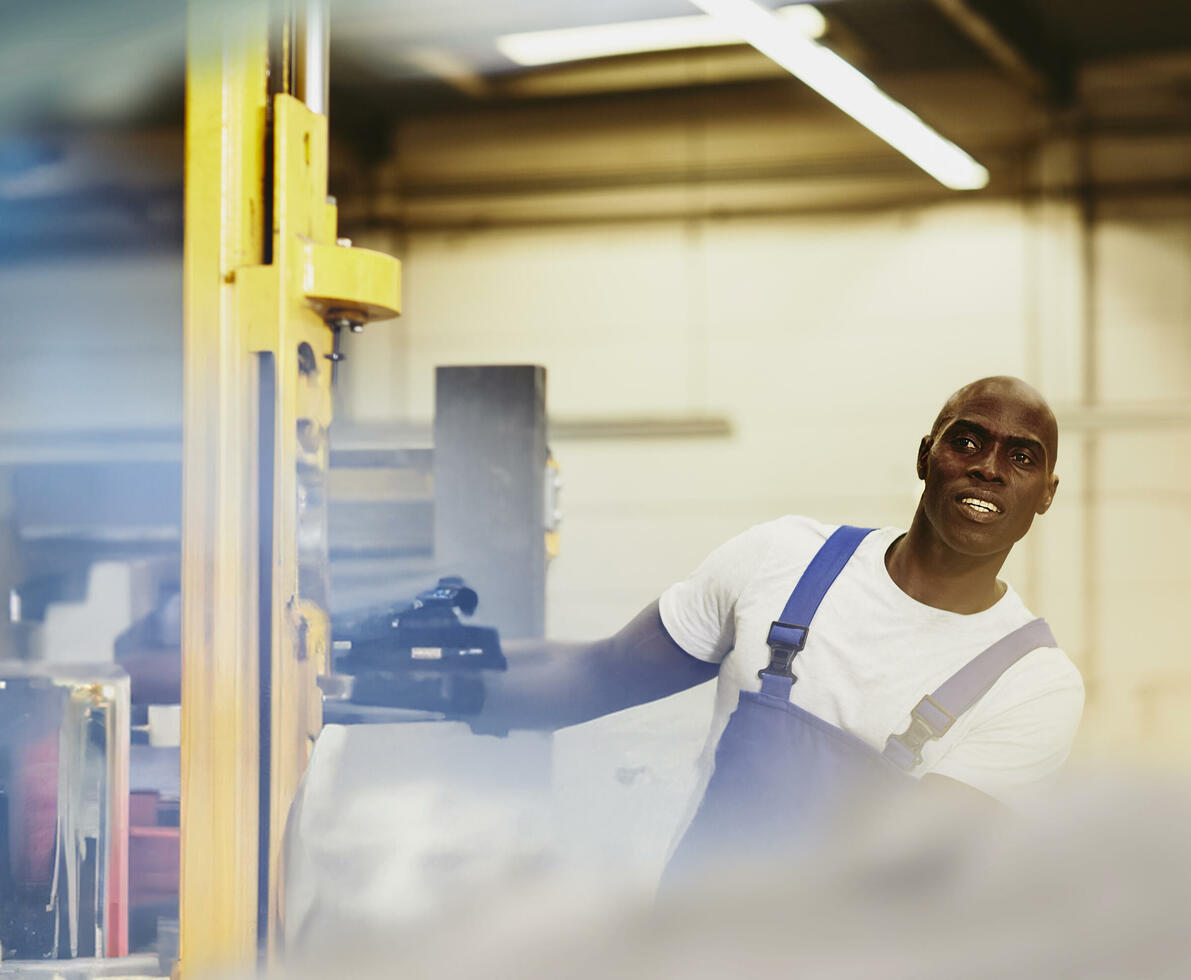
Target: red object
(153, 855)
(118, 907)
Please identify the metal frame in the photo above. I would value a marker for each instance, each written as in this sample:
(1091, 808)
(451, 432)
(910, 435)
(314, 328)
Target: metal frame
(267, 287)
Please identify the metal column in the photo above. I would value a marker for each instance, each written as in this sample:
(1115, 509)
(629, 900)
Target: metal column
(267, 288)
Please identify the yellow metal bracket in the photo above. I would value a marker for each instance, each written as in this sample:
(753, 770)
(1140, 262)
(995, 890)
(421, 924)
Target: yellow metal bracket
(354, 283)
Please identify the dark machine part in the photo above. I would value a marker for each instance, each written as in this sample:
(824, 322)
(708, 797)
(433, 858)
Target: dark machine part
(30, 714)
(419, 657)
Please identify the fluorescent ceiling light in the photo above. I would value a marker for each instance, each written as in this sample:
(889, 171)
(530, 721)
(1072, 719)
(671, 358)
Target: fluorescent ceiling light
(603, 40)
(838, 82)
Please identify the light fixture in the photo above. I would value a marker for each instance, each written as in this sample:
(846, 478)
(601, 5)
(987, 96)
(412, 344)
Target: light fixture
(604, 40)
(838, 82)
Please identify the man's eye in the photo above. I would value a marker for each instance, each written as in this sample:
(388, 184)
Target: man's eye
(1024, 459)
(963, 442)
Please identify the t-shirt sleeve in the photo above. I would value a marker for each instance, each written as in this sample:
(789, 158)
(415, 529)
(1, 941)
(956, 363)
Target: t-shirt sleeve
(699, 612)
(1024, 729)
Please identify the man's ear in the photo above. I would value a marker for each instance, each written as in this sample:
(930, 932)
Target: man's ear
(923, 453)
(1049, 497)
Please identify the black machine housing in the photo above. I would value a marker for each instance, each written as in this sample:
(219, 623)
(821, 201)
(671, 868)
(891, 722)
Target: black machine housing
(419, 656)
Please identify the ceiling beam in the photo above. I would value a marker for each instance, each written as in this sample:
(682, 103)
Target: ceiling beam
(1011, 43)
(450, 68)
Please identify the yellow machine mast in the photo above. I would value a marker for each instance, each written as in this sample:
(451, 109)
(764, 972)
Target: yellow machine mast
(267, 289)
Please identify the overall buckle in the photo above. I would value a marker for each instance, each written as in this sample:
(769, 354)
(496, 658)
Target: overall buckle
(785, 640)
(928, 720)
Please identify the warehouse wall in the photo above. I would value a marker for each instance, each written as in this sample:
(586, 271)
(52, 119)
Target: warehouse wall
(745, 252)
(706, 263)
(829, 342)
(1138, 526)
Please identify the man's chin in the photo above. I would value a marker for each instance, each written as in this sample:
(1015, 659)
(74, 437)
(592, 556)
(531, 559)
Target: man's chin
(980, 541)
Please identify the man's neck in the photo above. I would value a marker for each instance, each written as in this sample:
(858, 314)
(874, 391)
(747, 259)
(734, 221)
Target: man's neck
(927, 570)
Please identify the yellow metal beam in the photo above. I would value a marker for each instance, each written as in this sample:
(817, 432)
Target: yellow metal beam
(258, 355)
(226, 108)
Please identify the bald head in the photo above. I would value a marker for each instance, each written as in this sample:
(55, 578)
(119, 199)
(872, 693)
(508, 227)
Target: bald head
(1004, 389)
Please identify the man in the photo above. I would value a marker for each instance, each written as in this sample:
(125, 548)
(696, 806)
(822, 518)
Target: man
(907, 611)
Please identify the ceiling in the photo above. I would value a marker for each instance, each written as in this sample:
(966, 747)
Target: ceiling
(1051, 35)
(120, 61)
(87, 73)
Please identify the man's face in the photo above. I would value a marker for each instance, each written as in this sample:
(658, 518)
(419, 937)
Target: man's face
(988, 470)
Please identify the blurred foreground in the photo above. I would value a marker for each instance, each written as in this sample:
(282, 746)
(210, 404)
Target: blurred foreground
(1093, 879)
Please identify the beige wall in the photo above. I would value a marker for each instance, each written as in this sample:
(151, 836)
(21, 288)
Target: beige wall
(1138, 532)
(829, 341)
(686, 255)
(824, 317)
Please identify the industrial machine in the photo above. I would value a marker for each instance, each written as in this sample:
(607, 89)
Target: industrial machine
(259, 508)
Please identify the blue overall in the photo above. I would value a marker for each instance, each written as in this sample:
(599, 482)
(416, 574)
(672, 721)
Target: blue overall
(782, 775)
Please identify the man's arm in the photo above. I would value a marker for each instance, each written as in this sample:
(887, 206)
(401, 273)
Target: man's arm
(551, 685)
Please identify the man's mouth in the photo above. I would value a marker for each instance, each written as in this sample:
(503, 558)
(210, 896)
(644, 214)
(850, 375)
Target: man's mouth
(979, 509)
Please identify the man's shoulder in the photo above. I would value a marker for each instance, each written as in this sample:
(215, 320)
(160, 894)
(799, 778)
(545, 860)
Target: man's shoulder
(1045, 670)
(1014, 613)
(796, 538)
(1050, 669)
(787, 540)
(795, 529)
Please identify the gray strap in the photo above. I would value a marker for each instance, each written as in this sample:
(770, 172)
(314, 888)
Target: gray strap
(934, 715)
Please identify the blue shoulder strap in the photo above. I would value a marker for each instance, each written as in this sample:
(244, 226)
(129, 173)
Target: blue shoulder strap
(933, 716)
(788, 634)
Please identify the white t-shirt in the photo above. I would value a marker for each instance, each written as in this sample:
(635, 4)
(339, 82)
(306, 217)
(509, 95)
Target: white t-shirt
(872, 653)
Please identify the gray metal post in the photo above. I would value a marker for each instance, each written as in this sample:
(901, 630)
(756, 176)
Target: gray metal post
(312, 49)
(489, 509)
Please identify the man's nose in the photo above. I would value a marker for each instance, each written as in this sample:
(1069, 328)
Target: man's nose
(987, 467)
